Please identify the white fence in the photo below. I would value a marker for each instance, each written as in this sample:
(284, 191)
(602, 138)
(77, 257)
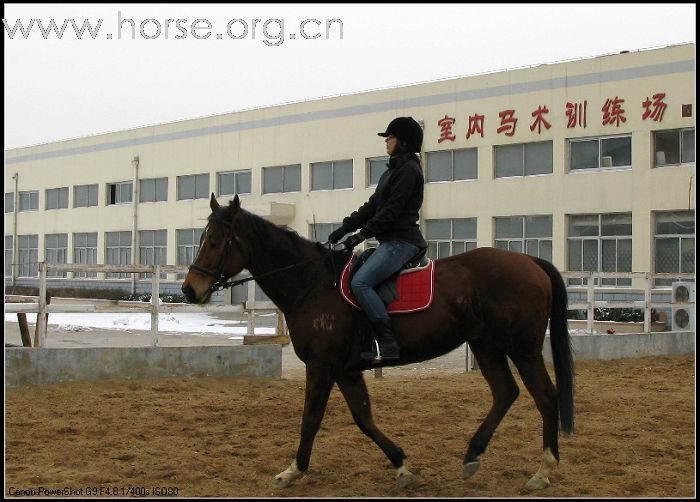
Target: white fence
(155, 307)
(28, 304)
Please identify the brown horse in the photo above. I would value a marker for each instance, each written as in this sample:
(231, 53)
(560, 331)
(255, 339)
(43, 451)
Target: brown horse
(497, 301)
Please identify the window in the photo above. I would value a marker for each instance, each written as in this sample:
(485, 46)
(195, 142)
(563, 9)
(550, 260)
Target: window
(8, 256)
(282, 179)
(674, 147)
(118, 252)
(452, 165)
(85, 196)
(153, 190)
(9, 202)
(331, 175)
(600, 153)
(523, 159)
(28, 201)
(376, 166)
(56, 251)
(674, 244)
(28, 251)
(187, 246)
(119, 193)
(235, 182)
(57, 198)
(601, 243)
(153, 249)
(320, 232)
(85, 252)
(525, 234)
(449, 237)
(195, 186)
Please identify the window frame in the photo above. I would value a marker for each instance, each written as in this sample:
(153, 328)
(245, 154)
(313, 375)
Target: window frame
(284, 168)
(523, 173)
(654, 151)
(332, 164)
(452, 153)
(194, 177)
(600, 167)
(236, 174)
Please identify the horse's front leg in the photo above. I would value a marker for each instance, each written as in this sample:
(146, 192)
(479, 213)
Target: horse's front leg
(319, 382)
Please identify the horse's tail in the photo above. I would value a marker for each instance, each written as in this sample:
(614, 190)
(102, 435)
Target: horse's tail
(561, 346)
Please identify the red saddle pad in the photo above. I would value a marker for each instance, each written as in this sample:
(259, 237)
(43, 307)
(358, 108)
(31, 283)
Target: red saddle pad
(415, 288)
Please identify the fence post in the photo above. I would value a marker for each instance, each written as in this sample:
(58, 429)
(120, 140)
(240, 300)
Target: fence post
(41, 320)
(647, 302)
(155, 300)
(24, 330)
(590, 299)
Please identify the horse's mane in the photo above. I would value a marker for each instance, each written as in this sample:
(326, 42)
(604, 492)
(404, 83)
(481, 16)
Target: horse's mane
(279, 236)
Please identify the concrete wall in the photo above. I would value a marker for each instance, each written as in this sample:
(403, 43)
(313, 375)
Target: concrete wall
(52, 365)
(619, 346)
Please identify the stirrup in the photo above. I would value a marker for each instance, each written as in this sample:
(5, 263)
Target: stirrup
(375, 357)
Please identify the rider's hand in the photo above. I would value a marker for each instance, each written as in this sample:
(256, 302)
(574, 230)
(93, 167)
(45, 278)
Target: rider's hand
(336, 235)
(353, 241)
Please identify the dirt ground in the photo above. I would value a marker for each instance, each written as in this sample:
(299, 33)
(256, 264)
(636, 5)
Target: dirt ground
(228, 437)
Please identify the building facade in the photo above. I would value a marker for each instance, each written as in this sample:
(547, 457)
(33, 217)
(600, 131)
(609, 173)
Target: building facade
(588, 163)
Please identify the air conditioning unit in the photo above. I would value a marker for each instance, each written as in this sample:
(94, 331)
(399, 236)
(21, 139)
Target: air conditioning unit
(683, 317)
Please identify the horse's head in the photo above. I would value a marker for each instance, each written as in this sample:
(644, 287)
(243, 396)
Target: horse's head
(221, 253)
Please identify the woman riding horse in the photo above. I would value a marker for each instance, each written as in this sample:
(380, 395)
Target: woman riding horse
(390, 215)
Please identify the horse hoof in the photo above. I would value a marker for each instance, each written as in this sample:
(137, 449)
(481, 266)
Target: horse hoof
(405, 479)
(537, 482)
(470, 469)
(279, 482)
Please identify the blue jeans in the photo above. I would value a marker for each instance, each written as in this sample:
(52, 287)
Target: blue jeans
(389, 257)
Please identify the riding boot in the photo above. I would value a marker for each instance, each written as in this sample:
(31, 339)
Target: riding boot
(385, 342)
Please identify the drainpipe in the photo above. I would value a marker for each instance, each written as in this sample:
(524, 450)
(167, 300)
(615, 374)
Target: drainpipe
(15, 256)
(135, 236)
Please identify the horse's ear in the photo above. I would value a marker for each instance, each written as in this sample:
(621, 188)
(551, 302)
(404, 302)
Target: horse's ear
(213, 204)
(236, 204)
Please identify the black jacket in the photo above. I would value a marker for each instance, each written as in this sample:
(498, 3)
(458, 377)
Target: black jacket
(391, 213)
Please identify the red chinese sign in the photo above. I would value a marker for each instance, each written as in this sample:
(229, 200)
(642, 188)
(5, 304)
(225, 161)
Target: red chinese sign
(576, 113)
(657, 114)
(476, 125)
(539, 119)
(446, 129)
(613, 113)
(507, 122)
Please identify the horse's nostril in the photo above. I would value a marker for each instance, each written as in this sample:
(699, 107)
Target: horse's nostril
(188, 292)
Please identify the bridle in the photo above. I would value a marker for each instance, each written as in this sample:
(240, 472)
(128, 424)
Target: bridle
(223, 282)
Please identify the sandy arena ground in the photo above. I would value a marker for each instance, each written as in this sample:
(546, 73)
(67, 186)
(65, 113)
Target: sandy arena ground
(228, 437)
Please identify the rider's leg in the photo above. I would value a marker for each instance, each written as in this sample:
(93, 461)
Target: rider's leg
(385, 261)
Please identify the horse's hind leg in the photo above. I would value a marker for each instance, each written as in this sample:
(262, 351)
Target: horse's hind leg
(494, 366)
(535, 377)
(354, 389)
(319, 382)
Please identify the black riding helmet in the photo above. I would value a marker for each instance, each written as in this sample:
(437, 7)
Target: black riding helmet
(407, 130)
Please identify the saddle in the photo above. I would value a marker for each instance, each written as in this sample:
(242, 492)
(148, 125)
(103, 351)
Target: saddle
(408, 290)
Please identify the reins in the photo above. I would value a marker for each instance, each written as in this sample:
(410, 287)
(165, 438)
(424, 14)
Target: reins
(222, 282)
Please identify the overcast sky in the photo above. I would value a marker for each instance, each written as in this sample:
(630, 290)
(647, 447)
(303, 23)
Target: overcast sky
(138, 69)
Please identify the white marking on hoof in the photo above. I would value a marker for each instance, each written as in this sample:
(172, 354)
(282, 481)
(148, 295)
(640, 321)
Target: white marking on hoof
(470, 469)
(541, 480)
(404, 477)
(537, 482)
(287, 477)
